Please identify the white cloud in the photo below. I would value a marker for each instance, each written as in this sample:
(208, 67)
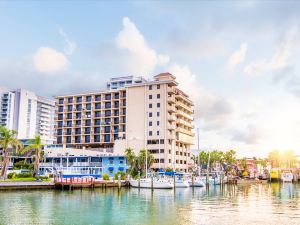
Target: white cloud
(48, 60)
(142, 59)
(70, 45)
(212, 108)
(237, 57)
(280, 59)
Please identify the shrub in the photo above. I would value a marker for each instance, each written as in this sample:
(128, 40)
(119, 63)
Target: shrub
(123, 175)
(24, 175)
(105, 176)
(22, 165)
(11, 175)
(168, 169)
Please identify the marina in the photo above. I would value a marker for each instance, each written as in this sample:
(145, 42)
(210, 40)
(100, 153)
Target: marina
(251, 204)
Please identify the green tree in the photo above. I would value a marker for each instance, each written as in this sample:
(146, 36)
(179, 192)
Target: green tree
(138, 162)
(244, 164)
(8, 140)
(274, 158)
(230, 157)
(35, 148)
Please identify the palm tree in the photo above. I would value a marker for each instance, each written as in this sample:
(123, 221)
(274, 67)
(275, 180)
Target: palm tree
(35, 147)
(8, 140)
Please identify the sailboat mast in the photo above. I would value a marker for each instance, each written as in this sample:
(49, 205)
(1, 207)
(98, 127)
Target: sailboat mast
(146, 145)
(199, 170)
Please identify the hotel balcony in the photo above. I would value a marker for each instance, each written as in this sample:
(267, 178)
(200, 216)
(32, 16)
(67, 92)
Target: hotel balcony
(185, 131)
(171, 99)
(172, 127)
(171, 117)
(171, 108)
(183, 114)
(171, 136)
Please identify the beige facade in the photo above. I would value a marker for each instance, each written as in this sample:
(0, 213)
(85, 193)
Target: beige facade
(154, 115)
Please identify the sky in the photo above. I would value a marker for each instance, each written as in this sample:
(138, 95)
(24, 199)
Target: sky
(238, 60)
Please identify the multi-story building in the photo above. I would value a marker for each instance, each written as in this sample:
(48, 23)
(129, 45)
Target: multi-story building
(28, 114)
(153, 115)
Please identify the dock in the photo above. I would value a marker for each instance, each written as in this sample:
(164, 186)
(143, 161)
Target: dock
(26, 185)
(79, 183)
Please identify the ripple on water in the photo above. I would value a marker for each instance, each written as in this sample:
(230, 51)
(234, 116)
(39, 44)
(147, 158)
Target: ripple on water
(256, 204)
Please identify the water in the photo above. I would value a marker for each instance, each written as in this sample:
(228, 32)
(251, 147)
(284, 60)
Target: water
(253, 204)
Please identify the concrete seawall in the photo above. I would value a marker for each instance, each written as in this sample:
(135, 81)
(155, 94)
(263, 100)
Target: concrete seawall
(26, 185)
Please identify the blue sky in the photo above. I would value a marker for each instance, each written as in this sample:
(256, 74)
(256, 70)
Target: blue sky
(238, 60)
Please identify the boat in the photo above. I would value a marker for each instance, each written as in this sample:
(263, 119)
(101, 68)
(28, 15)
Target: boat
(180, 182)
(197, 182)
(157, 183)
(287, 177)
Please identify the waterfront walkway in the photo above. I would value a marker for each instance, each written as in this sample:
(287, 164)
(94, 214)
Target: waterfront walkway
(26, 185)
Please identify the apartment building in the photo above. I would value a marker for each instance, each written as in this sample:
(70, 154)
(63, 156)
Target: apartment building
(28, 114)
(153, 115)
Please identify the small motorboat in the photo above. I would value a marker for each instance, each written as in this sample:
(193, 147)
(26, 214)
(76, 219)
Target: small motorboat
(287, 177)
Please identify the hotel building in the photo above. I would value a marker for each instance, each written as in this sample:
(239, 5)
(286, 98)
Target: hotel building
(28, 114)
(132, 112)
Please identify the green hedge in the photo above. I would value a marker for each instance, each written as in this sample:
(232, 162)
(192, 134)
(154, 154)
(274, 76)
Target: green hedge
(105, 176)
(123, 175)
(19, 175)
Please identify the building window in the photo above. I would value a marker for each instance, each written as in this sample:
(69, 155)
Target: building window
(158, 96)
(158, 86)
(107, 97)
(79, 99)
(97, 138)
(88, 98)
(150, 133)
(150, 123)
(150, 87)
(88, 106)
(98, 97)
(150, 105)
(98, 105)
(150, 96)
(157, 114)
(150, 114)
(158, 105)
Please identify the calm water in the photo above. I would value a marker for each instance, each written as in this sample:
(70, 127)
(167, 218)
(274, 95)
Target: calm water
(255, 204)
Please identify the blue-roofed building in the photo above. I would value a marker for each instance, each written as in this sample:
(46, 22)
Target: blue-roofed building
(70, 162)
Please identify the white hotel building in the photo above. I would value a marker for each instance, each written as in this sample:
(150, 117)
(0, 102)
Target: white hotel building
(132, 112)
(28, 114)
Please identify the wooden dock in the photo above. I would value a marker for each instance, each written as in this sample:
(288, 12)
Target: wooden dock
(79, 183)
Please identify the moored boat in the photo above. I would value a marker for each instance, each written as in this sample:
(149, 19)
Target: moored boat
(149, 183)
(287, 177)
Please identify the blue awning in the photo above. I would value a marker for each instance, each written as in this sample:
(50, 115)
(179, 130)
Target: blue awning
(121, 168)
(110, 168)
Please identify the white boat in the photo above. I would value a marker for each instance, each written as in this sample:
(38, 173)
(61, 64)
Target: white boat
(147, 183)
(287, 177)
(196, 183)
(212, 181)
(181, 183)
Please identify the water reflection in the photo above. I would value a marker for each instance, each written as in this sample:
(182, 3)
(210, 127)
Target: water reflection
(251, 204)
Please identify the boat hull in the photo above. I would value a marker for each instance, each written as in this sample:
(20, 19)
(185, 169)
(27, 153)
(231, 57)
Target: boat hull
(196, 183)
(182, 184)
(146, 183)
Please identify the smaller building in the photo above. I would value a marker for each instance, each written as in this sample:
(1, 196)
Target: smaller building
(70, 162)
